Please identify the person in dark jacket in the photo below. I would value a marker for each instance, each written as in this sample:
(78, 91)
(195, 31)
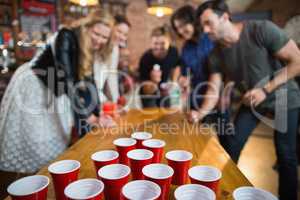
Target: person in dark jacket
(44, 94)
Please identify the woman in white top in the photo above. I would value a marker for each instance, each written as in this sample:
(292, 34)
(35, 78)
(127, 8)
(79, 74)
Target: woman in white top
(106, 74)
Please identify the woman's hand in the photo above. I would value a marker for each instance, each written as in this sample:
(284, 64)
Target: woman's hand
(122, 110)
(92, 119)
(184, 82)
(106, 121)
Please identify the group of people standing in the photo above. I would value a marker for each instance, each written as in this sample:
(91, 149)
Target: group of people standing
(78, 70)
(219, 56)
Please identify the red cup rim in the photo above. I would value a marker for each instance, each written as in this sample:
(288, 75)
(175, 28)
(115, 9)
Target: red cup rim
(94, 155)
(101, 171)
(195, 188)
(144, 153)
(141, 135)
(19, 181)
(117, 142)
(194, 173)
(134, 184)
(88, 182)
(52, 170)
(148, 169)
(147, 143)
(169, 155)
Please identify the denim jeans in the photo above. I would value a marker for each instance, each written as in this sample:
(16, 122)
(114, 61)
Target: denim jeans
(220, 120)
(285, 144)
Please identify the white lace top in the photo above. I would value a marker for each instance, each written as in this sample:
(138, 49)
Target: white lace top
(107, 72)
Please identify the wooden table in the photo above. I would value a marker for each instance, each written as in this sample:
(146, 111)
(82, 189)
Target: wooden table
(167, 125)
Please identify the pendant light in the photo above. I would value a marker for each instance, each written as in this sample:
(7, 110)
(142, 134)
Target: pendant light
(158, 8)
(85, 2)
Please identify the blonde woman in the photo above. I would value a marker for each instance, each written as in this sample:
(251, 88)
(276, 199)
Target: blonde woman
(44, 94)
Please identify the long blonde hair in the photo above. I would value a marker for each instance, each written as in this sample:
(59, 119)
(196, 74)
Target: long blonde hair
(86, 58)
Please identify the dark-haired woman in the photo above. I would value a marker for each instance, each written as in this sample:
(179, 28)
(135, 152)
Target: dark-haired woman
(196, 49)
(194, 52)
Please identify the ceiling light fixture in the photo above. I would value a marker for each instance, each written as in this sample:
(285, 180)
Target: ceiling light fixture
(85, 2)
(158, 8)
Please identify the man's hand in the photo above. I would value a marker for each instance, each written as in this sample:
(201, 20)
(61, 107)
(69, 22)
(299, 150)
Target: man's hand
(149, 87)
(254, 97)
(194, 116)
(155, 75)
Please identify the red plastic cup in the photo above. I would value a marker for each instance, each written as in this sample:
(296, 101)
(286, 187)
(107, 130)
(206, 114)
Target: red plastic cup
(103, 158)
(140, 137)
(88, 189)
(157, 147)
(122, 101)
(123, 146)
(138, 159)
(206, 175)
(160, 174)
(109, 108)
(247, 192)
(180, 161)
(114, 176)
(141, 190)
(63, 173)
(194, 191)
(29, 188)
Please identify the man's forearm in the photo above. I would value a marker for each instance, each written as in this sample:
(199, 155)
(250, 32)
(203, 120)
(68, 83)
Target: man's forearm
(290, 54)
(289, 72)
(209, 103)
(212, 95)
